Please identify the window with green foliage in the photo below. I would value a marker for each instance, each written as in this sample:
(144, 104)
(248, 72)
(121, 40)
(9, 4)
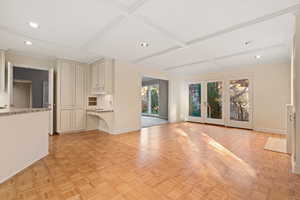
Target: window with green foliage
(150, 99)
(214, 100)
(239, 100)
(195, 100)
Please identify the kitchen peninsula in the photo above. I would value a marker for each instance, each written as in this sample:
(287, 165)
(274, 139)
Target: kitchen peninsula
(23, 139)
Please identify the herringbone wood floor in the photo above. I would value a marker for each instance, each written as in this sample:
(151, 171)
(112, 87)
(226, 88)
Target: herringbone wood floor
(183, 161)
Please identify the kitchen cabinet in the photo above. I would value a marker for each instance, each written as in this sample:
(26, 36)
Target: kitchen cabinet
(102, 77)
(79, 119)
(80, 96)
(65, 120)
(71, 95)
(67, 81)
(2, 71)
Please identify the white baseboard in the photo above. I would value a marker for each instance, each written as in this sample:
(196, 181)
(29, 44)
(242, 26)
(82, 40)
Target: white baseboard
(104, 130)
(270, 130)
(73, 131)
(125, 130)
(27, 165)
(295, 167)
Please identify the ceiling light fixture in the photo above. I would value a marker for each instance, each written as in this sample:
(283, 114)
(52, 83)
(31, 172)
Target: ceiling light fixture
(28, 43)
(248, 43)
(144, 44)
(34, 25)
(258, 56)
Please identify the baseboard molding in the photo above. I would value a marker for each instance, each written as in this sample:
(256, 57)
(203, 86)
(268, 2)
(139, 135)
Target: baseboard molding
(116, 132)
(125, 130)
(70, 132)
(295, 167)
(104, 130)
(270, 130)
(29, 164)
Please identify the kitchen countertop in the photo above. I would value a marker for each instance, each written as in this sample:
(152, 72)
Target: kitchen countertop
(99, 110)
(16, 111)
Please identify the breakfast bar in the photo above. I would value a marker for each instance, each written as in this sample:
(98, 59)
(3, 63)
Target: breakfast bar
(23, 139)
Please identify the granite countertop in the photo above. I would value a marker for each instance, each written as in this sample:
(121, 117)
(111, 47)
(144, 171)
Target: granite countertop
(16, 111)
(99, 110)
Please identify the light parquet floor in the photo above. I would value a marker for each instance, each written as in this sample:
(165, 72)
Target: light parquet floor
(184, 161)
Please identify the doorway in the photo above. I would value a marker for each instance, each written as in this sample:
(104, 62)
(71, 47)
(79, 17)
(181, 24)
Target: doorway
(36, 82)
(154, 97)
(22, 94)
(221, 102)
(41, 89)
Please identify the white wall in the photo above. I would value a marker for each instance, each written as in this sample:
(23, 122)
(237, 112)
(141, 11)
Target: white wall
(296, 93)
(271, 88)
(127, 103)
(21, 60)
(24, 61)
(23, 141)
(127, 97)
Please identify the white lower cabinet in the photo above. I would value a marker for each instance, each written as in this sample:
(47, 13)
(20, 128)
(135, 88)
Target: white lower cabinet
(65, 121)
(72, 120)
(79, 119)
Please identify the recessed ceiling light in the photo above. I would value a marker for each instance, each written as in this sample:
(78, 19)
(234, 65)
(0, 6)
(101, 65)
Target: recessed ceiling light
(28, 42)
(144, 44)
(248, 43)
(258, 56)
(34, 25)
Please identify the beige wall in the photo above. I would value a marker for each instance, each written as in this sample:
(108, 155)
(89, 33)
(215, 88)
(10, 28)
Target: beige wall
(24, 140)
(296, 96)
(127, 97)
(24, 61)
(20, 60)
(127, 105)
(271, 93)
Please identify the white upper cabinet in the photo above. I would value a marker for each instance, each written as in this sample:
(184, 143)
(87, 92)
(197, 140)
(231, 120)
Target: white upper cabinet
(2, 71)
(67, 83)
(80, 86)
(94, 77)
(102, 77)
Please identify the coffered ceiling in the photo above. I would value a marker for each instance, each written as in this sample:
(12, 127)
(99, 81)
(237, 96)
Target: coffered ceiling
(182, 36)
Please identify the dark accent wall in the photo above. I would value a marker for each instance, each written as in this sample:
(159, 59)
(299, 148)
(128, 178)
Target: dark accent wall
(163, 95)
(37, 77)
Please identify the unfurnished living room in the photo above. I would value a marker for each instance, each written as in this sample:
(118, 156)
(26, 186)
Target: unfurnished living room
(150, 100)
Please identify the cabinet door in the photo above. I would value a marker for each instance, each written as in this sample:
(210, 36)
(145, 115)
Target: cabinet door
(94, 76)
(2, 71)
(67, 84)
(109, 77)
(101, 75)
(80, 87)
(79, 119)
(66, 118)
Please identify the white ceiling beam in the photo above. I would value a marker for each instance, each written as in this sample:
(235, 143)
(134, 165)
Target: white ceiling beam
(288, 10)
(157, 54)
(124, 14)
(128, 13)
(209, 60)
(138, 4)
(246, 24)
(159, 29)
(107, 29)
